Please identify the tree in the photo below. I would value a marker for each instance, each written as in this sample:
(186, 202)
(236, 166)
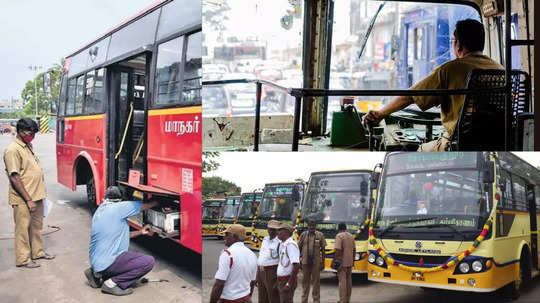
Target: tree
(35, 88)
(208, 162)
(214, 186)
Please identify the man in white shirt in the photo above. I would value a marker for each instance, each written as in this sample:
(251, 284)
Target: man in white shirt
(237, 269)
(268, 263)
(289, 264)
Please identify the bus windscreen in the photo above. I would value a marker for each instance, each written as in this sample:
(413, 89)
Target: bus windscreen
(446, 200)
(337, 197)
(280, 201)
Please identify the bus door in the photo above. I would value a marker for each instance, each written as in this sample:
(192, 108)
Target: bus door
(531, 200)
(126, 125)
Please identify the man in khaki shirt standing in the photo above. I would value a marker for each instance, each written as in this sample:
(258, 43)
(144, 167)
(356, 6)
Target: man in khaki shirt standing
(311, 245)
(345, 249)
(26, 194)
(468, 43)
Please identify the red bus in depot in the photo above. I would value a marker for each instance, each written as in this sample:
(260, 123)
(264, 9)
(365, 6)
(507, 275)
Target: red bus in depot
(129, 114)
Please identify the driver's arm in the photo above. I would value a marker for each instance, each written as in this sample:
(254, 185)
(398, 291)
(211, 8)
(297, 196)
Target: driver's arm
(398, 103)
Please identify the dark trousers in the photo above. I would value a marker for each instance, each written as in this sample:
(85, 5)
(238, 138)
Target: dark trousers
(128, 268)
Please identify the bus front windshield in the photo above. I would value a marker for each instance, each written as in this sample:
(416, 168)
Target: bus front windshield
(281, 201)
(450, 196)
(230, 209)
(247, 208)
(337, 197)
(210, 212)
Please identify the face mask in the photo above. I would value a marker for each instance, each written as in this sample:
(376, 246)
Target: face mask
(28, 138)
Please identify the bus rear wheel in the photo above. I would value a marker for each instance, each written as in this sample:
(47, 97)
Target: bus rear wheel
(91, 194)
(512, 290)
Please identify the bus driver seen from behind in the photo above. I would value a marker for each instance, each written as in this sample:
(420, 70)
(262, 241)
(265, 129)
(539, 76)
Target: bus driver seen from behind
(468, 43)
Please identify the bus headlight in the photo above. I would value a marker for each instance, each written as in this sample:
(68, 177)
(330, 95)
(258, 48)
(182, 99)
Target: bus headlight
(371, 258)
(380, 261)
(356, 256)
(464, 267)
(477, 266)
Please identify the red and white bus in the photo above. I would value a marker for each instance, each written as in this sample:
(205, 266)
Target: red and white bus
(129, 114)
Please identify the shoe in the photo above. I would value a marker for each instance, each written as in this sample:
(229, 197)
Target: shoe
(116, 291)
(45, 256)
(92, 280)
(30, 264)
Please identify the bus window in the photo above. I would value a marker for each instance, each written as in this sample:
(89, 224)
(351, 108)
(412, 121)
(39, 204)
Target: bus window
(79, 95)
(178, 14)
(94, 92)
(520, 198)
(168, 72)
(135, 35)
(70, 104)
(62, 101)
(191, 91)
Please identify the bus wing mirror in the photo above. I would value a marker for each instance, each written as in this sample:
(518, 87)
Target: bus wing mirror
(374, 181)
(363, 188)
(488, 173)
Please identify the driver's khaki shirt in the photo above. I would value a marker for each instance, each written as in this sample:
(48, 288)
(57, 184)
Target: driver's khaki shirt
(451, 75)
(19, 158)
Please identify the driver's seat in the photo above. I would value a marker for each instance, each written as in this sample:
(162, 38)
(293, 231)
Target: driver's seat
(481, 121)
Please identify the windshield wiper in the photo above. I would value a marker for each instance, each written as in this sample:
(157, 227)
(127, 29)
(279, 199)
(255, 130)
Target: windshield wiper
(370, 28)
(452, 227)
(394, 224)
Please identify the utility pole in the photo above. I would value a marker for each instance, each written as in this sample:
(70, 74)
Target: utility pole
(35, 68)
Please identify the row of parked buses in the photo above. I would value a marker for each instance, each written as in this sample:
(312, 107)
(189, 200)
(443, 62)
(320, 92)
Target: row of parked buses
(464, 221)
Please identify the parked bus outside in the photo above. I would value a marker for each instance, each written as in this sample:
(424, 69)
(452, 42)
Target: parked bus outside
(228, 213)
(464, 221)
(280, 201)
(129, 113)
(211, 210)
(334, 197)
(249, 203)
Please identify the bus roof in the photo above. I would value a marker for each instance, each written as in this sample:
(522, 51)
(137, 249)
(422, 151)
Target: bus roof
(360, 170)
(138, 15)
(286, 182)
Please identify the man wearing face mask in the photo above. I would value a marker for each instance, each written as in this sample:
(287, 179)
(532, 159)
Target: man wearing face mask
(26, 193)
(468, 42)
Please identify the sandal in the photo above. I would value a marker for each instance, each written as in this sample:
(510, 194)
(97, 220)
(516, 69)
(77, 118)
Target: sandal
(30, 264)
(45, 256)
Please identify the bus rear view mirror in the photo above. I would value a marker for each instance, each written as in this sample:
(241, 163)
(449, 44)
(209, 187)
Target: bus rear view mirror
(488, 172)
(374, 180)
(363, 188)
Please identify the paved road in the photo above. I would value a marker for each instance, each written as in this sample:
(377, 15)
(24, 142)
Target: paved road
(62, 280)
(363, 291)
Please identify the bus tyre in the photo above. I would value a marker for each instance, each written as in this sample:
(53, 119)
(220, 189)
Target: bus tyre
(512, 290)
(91, 194)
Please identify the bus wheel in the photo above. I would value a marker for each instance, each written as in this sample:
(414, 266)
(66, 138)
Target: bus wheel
(512, 290)
(91, 194)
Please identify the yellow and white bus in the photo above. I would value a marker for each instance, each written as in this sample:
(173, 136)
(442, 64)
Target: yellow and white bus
(249, 203)
(280, 201)
(464, 221)
(334, 197)
(210, 216)
(228, 214)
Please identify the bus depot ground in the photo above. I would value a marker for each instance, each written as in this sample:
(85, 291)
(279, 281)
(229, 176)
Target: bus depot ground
(62, 279)
(362, 290)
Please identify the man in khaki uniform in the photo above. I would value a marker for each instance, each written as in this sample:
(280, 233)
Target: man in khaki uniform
(468, 43)
(312, 245)
(345, 249)
(26, 193)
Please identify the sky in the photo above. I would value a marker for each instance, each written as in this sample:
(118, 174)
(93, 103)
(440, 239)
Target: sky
(252, 170)
(37, 32)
